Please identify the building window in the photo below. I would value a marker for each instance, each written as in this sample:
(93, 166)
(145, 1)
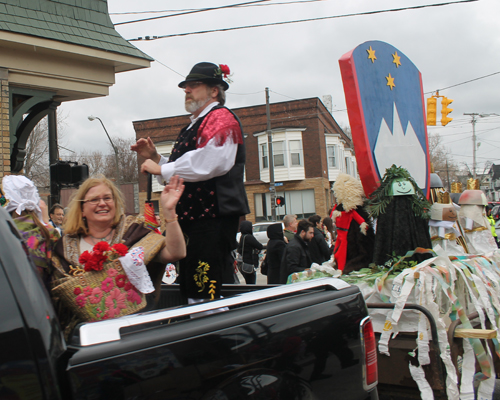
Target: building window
(347, 166)
(331, 153)
(299, 202)
(279, 154)
(295, 159)
(263, 155)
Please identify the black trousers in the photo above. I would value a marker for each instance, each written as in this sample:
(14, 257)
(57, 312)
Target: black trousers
(208, 251)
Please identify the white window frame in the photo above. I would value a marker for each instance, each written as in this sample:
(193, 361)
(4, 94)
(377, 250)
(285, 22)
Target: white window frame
(263, 156)
(279, 154)
(295, 152)
(284, 170)
(333, 156)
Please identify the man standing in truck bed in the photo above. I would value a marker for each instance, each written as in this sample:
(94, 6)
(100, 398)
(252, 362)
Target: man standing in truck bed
(209, 154)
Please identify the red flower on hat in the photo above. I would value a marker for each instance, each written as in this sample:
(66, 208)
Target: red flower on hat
(224, 69)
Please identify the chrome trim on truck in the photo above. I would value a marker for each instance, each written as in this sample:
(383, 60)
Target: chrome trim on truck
(109, 330)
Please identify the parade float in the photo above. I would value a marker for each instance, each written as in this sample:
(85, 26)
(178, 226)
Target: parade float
(433, 288)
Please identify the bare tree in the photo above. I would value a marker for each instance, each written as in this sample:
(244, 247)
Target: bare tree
(96, 161)
(444, 165)
(36, 161)
(127, 160)
(105, 162)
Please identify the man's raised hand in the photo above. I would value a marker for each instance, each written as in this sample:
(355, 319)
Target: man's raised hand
(146, 148)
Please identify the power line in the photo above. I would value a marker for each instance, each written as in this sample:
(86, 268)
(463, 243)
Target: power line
(284, 95)
(166, 66)
(189, 12)
(472, 80)
(302, 20)
(198, 9)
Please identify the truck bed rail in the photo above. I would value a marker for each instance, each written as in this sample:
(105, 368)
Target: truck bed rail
(109, 330)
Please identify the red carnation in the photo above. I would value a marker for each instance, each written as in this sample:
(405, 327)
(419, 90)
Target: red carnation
(84, 257)
(224, 69)
(120, 248)
(101, 247)
(91, 265)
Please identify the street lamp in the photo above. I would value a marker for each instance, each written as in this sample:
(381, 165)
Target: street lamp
(92, 118)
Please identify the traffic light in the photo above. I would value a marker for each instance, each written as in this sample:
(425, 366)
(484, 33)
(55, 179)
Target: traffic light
(445, 110)
(431, 110)
(280, 201)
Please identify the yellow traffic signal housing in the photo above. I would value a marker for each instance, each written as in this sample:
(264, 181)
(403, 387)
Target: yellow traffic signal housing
(445, 111)
(431, 110)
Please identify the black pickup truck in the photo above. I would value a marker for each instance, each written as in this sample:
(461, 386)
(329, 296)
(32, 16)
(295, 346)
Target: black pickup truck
(311, 340)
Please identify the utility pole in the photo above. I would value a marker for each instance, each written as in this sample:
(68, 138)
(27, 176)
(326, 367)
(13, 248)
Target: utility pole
(474, 147)
(448, 177)
(473, 121)
(272, 187)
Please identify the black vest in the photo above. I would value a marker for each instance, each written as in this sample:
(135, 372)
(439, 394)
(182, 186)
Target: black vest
(217, 197)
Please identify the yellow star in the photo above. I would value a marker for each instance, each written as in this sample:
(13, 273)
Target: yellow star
(371, 54)
(396, 59)
(390, 81)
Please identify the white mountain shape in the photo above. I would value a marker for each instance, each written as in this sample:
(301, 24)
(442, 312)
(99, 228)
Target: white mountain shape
(400, 148)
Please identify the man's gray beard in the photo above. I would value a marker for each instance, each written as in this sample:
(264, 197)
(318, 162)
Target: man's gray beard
(192, 106)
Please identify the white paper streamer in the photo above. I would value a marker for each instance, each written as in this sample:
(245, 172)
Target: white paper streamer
(468, 370)
(486, 388)
(418, 376)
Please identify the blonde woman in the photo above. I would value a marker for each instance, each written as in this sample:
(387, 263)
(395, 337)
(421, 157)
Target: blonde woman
(96, 214)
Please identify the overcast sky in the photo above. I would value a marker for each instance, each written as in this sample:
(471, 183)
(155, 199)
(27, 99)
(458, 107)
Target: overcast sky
(449, 44)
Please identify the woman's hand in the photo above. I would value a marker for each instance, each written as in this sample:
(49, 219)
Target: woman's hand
(171, 195)
(175, 245)
(45, 212)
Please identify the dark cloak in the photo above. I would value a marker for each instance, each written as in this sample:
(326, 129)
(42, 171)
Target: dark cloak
(274, 253)
(400, 231)
(359, 246)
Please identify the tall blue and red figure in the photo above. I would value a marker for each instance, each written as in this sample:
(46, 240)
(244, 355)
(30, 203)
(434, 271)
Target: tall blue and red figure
(385, 104)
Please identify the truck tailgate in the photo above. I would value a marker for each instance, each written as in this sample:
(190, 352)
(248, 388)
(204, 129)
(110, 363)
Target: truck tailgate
(305, 344)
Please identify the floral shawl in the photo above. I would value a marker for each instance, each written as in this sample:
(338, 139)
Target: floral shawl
(39, 249)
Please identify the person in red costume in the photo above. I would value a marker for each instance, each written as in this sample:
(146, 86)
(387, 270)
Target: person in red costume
(355, 237)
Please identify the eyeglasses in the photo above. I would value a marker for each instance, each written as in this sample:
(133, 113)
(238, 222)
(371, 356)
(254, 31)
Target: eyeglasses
(97, 200)
(191, 85)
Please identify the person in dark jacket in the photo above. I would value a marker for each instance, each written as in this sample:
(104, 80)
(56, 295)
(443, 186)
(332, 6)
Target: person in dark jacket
(274, 253)
(318, 248)
(250, 253)
(296, 257)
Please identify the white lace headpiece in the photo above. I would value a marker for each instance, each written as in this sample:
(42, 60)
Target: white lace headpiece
(22, 194)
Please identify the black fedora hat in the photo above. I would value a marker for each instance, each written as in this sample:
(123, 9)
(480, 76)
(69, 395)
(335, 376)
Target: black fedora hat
(208, 73)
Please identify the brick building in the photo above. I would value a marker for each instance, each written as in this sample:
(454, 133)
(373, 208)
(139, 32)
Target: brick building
(309, 147)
